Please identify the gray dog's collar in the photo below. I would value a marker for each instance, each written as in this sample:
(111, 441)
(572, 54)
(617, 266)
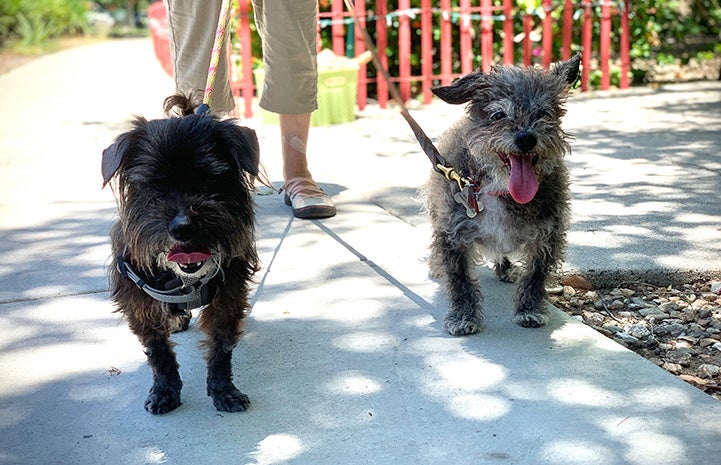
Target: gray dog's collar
(186, 296)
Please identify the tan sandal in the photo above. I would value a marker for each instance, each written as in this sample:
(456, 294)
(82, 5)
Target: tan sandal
(307, 199)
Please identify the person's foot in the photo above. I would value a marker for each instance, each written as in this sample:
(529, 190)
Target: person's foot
(307, 199)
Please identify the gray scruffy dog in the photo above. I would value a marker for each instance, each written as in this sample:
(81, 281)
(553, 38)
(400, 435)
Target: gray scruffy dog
(184, 239)
(511, 145)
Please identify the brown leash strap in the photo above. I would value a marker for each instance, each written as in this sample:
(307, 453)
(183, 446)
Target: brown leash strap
(426, 144)
(469, 190)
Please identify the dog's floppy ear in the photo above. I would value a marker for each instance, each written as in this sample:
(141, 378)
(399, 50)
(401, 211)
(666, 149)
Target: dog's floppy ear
(462, 90)
(244, 148)
(113, 157)
(568, 70)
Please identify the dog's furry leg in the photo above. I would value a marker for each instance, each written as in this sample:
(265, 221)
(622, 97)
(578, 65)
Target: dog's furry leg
(165, 393)
(149, 322)
(226, 397)
(455, 268)
(530, 313)
(222, 322)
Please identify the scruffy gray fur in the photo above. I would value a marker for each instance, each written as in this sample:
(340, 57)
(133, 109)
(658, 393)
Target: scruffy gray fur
(510, 143)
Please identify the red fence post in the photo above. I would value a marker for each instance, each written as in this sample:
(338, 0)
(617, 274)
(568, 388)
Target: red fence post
(466, 44)
(605, 54)
(527, 27)
(337, 29)
(382, 44)
(246, 54)
(486, 35)
(586, 37)
(404, 50)
(362, 93)
(625, 45)
(446, 46)
(547, 34)
(567, 30)
(426, 48)
(508, 57)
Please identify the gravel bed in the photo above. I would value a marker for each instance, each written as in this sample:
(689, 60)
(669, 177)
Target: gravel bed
(676, 327)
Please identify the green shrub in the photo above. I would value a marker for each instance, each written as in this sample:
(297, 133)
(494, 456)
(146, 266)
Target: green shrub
(31, 23)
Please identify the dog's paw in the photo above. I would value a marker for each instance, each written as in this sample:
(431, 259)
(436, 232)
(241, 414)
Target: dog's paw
(463, 325)
(229, 399)
(162, 400)
(530, 319)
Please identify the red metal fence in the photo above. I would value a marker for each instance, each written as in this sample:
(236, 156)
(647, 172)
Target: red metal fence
(453, 53)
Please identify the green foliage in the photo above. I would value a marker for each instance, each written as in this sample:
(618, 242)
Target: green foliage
(30, 24)
(680, 28)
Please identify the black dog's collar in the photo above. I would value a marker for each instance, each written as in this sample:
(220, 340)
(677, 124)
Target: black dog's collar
(185, 297)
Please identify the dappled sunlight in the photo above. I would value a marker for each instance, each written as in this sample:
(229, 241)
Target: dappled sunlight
(658, 397)
(354, 311)
(344, 357)
(12, 415)
(564, 452)
(644, 439)
(478, 406)
(352, 382)
(366, 342)
(276, 448)
(467, 385)
(55, 340)
(148, 455)
(573, 334)
(581, 392)
(643, 445)
(466, 372)
(597, 238)
(61, 255)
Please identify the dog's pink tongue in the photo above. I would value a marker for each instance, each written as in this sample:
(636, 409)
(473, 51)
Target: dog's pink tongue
(523, 184)
(183, 258)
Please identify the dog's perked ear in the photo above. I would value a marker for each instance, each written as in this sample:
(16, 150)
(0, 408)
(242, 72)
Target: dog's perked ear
(244, 148)
(462, 90)
(568, 70)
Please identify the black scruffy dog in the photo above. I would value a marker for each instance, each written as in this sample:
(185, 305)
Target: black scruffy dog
(184, 239)
(511, 145)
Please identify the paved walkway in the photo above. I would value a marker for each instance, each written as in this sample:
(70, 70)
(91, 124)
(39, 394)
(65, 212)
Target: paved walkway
(344, 357)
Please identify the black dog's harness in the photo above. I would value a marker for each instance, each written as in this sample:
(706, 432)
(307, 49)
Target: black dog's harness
(186, 296)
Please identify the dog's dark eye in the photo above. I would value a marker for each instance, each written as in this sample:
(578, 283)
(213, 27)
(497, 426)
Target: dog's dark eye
(496, 116)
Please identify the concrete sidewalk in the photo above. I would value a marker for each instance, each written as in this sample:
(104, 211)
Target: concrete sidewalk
(344, 357)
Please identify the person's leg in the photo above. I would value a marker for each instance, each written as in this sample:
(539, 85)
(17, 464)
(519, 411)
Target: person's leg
(288, 33)
(192, 25)
(294, 132)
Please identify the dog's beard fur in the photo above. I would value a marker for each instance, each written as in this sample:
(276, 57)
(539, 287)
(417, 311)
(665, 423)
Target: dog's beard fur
(184, 191)
(512, 122)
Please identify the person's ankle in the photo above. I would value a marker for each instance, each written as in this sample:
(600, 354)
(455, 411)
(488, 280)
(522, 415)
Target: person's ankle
(290, 174)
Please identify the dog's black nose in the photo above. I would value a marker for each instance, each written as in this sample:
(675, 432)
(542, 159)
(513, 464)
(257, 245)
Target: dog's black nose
(525, 141)
(179, 227)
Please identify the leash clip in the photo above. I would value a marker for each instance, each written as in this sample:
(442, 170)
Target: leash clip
(469, 190)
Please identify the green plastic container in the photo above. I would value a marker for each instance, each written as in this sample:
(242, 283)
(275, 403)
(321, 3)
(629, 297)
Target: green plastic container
(337, 90)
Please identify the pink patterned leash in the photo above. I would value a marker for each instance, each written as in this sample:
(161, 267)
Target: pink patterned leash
(215, 56)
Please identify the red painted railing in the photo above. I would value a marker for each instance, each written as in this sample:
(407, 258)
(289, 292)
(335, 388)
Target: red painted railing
(478, 24)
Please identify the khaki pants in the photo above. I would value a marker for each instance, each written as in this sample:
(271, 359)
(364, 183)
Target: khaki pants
(288, 33)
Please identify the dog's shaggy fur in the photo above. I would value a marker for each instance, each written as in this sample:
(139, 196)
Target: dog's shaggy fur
(511, 144)
(184, 190)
